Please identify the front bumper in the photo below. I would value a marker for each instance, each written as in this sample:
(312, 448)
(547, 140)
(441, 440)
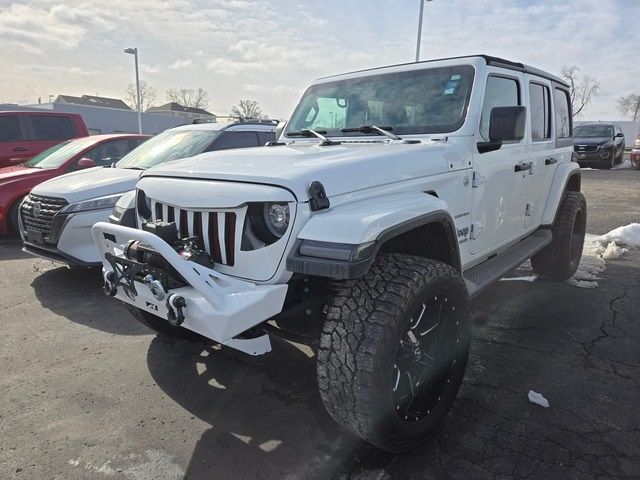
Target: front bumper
(598, 157)
(217, 306)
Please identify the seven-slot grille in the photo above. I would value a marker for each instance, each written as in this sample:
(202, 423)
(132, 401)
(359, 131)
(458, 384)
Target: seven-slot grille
(585, 148)
(215, 231)
(37, 213)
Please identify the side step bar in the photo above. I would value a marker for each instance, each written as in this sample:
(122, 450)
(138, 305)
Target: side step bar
(481, 276)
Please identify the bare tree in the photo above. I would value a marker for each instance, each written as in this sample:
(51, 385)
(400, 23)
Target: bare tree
(582, 88)
(247, 109)
(630, 105)
(189, 97)
(147, 95)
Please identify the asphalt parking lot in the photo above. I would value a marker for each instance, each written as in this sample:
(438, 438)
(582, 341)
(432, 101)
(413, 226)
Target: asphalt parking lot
(89, 393)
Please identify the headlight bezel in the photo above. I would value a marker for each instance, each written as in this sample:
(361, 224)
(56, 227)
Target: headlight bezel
(257, 231)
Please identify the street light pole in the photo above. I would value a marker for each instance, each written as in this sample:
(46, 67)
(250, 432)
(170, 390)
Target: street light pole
(420, 28)
(134, 52)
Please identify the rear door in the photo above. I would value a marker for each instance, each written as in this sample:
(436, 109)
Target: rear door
(541, 149)
(49, 130)
(499, 196)
(15, 147)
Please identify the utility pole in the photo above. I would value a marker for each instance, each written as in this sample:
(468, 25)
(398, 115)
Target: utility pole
(134, 52)
(420, 28)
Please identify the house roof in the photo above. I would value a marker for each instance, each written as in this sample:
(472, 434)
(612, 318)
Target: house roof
(176, 107)
(94, 101)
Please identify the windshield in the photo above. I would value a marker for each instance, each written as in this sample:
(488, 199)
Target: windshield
(59, 154)
(421, 101)
(169, 145)
(593, 131)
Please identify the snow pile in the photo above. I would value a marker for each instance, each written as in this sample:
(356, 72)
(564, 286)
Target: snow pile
(626, 163)
(629, 236)
(613, 251)
(528, 278)
(538, 399)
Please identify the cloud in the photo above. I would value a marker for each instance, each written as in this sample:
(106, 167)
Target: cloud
(180, 63)
(274, 48)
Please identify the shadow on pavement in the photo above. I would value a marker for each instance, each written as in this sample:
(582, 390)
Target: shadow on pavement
(267, 420)
(76, 294)
(11, 249)
(266, 416)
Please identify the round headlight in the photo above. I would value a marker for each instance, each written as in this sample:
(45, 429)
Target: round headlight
(276, 217)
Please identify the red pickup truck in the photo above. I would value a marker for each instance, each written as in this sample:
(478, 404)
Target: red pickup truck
(25, 134)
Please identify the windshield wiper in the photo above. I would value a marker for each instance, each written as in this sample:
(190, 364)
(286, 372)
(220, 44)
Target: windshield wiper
(313, 133)
(373, 129)
(134, 168)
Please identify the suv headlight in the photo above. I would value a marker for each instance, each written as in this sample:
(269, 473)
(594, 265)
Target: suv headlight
(101, 203)
(276, 216)
(265, 223)
(636, 144)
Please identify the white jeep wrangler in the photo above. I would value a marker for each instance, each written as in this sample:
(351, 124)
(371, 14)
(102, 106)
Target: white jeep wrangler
(394, 196)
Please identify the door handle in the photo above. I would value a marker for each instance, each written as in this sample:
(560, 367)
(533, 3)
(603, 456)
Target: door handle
(521, 167)
(550, 161)
(20, 149)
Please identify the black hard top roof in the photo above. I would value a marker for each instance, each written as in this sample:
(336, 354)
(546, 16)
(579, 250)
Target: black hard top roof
(490, 60)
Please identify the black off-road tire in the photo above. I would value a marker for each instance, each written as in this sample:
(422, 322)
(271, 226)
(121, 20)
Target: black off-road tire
(162, 327)
(362, 338)
(560, 259)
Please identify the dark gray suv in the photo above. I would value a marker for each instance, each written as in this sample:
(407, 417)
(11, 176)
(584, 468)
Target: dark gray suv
(598, 144)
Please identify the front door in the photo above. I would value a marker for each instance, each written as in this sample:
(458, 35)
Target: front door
(499, 194)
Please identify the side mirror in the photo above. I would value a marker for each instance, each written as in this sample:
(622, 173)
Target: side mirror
(86, 163)
(620, 134)
(506, 124)
(280, 129)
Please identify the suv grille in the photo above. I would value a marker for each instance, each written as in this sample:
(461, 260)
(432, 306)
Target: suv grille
(585, 148)
(216, 231)
(37, 213)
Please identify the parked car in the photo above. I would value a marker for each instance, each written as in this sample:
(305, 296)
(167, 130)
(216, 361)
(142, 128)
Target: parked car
(393, 197)
(598, 144)
(78, 200)
(65, 157)
(635, 154)
(25, 134)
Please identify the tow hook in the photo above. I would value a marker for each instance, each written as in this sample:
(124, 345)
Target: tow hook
(177, 302)
(155, 286)
(110, 283)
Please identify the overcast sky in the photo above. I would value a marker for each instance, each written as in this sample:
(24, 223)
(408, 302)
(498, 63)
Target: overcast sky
(270, 50)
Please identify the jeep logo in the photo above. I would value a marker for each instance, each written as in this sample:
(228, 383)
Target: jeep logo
(36, 209)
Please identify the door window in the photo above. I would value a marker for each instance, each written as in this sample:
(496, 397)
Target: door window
(51, 127)
(229, 140)
(500, 92)
(562, 116)
(265, 137)
(540, 111)
(10, 129)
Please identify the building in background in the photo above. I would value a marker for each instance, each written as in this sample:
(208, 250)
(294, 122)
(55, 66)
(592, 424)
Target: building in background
(187, 113)
(111, 115)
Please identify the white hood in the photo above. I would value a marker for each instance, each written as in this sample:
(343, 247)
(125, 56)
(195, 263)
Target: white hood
(342, 168)
(87, 184)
